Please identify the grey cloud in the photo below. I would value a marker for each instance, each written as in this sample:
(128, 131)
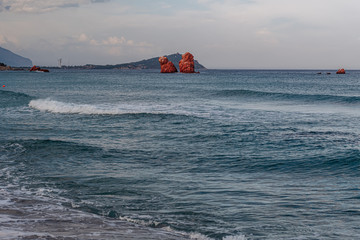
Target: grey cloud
(41, 6)
(99, 1)
(69, 5)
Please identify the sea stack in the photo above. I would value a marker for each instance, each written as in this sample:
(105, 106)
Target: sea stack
(166, 65)
(38, 69)
(187, 64)
(341, 71)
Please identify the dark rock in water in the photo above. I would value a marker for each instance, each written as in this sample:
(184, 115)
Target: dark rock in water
(11, 59)
(187, 64)
(166, 65)
(38, 69)
(341, 71)
(318, 73)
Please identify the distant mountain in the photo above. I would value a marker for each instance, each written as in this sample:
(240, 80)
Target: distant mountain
(11, 59)
(152, 63)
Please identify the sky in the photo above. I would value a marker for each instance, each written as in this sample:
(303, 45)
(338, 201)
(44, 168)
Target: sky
(221, 34)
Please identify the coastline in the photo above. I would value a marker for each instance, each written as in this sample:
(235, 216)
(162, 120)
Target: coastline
(38, 217)
(8, 68)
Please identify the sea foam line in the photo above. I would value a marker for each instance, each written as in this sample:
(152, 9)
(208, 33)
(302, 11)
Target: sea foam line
(53, 106)
(191, 235)
(49, 105)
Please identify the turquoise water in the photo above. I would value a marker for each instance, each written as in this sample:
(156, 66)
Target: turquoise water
(143, 155)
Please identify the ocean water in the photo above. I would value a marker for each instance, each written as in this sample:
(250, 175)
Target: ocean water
(223, 154)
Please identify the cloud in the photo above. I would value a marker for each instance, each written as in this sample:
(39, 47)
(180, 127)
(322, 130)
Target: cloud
(111, 41)
(116, 41)
(267, 36)
(112, 47)
(2, 40)
(245, 33)
(83, 38)
(7, 40)
(41, 6)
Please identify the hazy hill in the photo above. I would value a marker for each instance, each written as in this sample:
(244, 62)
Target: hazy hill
(152, 63)
(11, 59)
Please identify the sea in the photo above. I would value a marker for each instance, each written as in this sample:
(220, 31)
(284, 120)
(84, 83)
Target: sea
(223, 154)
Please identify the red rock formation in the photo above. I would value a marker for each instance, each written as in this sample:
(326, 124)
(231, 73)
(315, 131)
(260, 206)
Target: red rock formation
(341, 71)
(166, 65)
(35, 68)
(187, 64)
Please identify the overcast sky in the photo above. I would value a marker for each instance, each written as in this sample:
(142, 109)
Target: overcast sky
(280, 34)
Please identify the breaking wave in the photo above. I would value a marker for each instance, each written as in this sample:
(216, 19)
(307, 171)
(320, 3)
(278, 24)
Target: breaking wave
(53, 106)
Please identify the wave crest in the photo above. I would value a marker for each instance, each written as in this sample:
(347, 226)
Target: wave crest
(53, 106)
(290, 96)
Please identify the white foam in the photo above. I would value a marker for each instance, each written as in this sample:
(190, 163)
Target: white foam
(10, 150)
(148, 222)
(7, 233)
(236, 237)
(192, 235)
(4, 202)
(199, 236)
(62, 107)
(49, 105)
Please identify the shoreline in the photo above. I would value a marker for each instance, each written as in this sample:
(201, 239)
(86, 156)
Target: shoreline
(8, 68)
(37, 217)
